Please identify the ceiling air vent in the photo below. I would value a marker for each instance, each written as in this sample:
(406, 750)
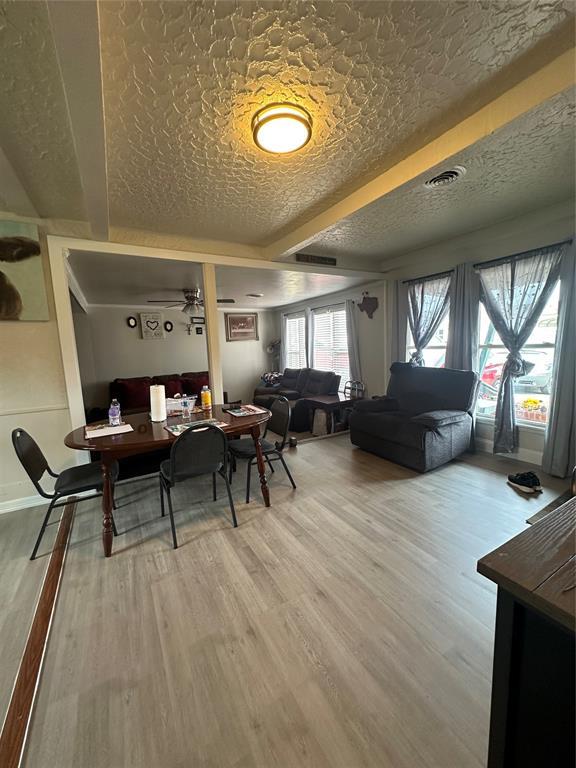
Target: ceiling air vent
(446, 177)
(308, 258)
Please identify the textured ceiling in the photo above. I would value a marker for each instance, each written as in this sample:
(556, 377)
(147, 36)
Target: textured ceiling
(528, 164)
(183, 79)
(34, 128)
(131, 280)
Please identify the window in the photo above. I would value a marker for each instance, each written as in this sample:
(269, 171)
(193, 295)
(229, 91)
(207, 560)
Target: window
(532, 391)
(435, 353)
(295, 352)
(330, 342)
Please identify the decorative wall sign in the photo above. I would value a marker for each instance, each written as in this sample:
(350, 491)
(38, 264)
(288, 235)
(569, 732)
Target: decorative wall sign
(168, 326)
(198, 320)
(369, 304)
(151, 325)
(22, 287)
(241, 327)
(199, 330)
(131, 322)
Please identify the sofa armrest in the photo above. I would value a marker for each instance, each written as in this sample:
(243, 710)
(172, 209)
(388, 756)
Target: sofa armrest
(377, 405)
(436, 419)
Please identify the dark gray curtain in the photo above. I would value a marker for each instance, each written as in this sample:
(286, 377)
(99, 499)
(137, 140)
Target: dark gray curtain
(428, 302)
(560, 448)
(352, 338)
(514, 292)
(462, 349)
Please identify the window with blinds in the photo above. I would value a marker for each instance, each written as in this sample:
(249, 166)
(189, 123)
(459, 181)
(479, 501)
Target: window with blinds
(330, 342)
(295, 352)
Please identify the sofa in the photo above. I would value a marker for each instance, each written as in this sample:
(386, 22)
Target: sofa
(423, 421)
(298, 383)
(134, 394)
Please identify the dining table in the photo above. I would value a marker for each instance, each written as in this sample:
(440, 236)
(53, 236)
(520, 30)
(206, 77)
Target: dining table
(147, 435)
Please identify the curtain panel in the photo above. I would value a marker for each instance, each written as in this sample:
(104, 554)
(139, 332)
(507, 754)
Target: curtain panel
(352, 338)
(462, 349)
(514, 292)
(428, 302)
(560, 447)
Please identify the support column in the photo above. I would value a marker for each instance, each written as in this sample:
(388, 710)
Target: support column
(212, 332)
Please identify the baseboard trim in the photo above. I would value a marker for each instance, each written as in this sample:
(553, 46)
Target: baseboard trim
(24, 503)
(523, 454)
(17, 722)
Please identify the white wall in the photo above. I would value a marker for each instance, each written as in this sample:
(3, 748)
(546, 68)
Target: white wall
(244, 362)
(109, 349)
(32, 396)
(371, 332)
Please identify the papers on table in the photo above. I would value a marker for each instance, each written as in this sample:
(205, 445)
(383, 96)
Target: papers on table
(246, 410)
(177, 429)
(105, 430)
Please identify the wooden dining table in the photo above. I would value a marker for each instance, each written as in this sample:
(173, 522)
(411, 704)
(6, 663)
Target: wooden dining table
(147, 436)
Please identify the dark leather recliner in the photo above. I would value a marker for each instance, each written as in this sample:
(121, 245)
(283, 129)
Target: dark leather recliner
(297, 383)
(425, 419)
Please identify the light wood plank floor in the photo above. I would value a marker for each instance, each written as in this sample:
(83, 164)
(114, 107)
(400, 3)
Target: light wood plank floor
(20, 582)
(345, 627)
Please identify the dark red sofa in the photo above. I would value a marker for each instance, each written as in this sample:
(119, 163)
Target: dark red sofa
(134, 394)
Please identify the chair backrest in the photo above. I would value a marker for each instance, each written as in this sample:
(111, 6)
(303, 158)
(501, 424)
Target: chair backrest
(420, 389)
(280, 420)
(30, 455)
(200, 450)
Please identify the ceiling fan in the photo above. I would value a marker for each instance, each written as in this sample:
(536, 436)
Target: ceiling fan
(192, 302)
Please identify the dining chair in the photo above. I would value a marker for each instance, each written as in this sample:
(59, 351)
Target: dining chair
(278, 423)
(200, 450)
(87, 477)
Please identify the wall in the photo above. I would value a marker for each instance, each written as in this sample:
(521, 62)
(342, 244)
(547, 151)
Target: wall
(371, 332)
(109, 349)
(32, 396)
(244, 362)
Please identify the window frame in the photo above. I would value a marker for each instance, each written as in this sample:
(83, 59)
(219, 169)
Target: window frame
(330, 309)
(302, 353)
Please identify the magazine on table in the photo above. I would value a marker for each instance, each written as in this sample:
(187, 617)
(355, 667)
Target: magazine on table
(246, 410)
(105, 430)
(177, 429)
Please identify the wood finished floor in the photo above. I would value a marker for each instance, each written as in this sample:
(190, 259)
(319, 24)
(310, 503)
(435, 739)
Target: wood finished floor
(344, 627)
(20, 582)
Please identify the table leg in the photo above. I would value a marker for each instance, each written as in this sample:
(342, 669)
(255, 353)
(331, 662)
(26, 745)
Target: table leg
(255, 432)
(107, 529)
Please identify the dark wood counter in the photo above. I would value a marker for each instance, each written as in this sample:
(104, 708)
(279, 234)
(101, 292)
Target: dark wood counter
(533, 693)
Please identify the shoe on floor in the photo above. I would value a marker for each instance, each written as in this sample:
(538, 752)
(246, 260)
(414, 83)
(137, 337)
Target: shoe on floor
(526, 482)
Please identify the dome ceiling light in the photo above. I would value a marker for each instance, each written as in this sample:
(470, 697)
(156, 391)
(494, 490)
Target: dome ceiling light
(281, 128)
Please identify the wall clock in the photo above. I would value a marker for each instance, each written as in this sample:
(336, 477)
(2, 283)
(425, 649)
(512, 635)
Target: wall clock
(131, 322)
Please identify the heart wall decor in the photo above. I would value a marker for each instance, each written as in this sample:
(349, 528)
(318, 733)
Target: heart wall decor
(151, 325)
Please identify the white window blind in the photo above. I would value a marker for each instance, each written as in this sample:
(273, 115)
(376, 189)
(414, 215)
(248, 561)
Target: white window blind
(330, 342)
(295, 352)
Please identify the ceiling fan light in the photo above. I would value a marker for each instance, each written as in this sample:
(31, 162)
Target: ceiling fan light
(281, 128)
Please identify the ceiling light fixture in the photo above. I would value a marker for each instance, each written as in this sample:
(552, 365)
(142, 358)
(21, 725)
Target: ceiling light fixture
(281, 128)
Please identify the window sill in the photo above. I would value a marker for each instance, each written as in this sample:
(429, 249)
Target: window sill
(522, 425)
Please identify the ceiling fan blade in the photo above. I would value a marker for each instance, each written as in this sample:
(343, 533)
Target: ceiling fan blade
(164, 301)
(226, 301)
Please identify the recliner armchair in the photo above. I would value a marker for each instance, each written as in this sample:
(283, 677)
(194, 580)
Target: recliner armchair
(425, 419)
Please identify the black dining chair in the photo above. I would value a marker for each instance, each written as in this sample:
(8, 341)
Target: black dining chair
(200, 450)
(87, 477)
(278, 423)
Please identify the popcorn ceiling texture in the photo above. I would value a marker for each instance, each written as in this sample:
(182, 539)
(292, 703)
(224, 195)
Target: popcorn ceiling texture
(526, 165)
(34, 128)
(182, 81)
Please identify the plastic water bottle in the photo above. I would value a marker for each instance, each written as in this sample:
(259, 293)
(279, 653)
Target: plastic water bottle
(206, 398)
(114, 417)
(185, 408)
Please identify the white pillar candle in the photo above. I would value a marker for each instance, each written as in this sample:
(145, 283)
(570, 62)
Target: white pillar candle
(158, 402)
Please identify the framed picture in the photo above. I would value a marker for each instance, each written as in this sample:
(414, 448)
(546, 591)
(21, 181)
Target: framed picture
(151, 325)
(197, 320)
(22, 287)
(241, 327)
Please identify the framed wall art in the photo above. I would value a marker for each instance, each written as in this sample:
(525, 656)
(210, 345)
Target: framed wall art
(241, 327)
(151, 325)
(22, 287)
